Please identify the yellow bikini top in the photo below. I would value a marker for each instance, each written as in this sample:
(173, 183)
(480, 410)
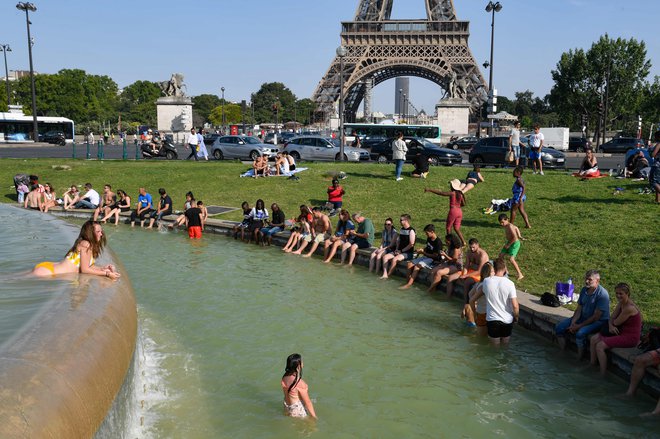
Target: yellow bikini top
(74, 258)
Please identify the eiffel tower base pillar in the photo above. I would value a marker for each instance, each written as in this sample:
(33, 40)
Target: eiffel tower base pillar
(453, 117)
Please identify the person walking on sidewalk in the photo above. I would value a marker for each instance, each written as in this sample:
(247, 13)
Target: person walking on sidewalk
(399, 150)
(193, 144)
(202, 147)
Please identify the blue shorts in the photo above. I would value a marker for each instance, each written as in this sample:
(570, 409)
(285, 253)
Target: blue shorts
(534, 154)
(270, 231)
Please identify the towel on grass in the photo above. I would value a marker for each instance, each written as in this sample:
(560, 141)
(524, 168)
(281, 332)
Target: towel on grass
(250, 173)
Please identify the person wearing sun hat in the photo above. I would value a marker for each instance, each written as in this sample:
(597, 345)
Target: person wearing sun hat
(456, 202)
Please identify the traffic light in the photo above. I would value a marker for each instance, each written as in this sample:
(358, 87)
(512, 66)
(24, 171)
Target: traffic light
(601, 109)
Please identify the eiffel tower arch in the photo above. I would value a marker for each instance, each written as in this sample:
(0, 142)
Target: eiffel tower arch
(379, 49)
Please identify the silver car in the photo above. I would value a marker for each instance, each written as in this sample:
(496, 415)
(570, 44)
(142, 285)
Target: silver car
(322, 148)
(240, 147)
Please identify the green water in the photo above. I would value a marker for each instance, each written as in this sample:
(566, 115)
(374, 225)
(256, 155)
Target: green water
(27, 238)
(218, 318)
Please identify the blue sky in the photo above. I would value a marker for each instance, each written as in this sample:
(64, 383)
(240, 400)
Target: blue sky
(240, 44)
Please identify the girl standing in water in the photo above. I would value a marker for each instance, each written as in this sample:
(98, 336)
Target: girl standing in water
(80, 258)
(296, 391)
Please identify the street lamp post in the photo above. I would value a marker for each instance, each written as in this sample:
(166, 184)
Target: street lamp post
(5, 48)
(341, 53)
(27, 7)
(492, 8)
(222, 89)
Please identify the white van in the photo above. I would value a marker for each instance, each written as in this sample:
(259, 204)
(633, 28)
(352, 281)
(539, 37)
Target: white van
(556, 138)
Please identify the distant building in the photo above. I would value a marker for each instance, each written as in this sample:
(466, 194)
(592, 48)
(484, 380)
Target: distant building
(401, 88)
(15, 75)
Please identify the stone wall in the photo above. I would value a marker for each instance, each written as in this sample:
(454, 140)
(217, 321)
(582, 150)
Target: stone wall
(61, 375)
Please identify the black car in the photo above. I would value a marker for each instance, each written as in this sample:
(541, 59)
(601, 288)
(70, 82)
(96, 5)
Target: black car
(54, 137)
(369, 141)
(492, 151)
(463, 143)
(578, 144)
(382, 152)
(621, 144)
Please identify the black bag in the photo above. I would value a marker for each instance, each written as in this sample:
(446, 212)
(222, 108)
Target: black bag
(651, 340)
(549, 299)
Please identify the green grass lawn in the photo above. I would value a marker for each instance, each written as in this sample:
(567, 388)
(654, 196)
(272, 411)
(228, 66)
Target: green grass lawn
(576, 225)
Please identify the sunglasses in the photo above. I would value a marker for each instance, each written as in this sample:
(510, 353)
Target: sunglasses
(388, 224)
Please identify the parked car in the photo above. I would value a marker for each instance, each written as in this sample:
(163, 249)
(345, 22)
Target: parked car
(209, 138)
(369, 141)
(322, 148)
(463, 143)
(578, 144)
(240, 147)
(492, 151)
(54, 137)
(282, 138)
(438, 155)
(621, 144)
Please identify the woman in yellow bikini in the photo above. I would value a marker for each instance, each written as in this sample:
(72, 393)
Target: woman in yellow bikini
(80, 258)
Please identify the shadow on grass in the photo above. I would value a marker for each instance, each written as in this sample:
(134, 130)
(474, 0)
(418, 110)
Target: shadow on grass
(482, 223)
(13, 197)
(577, 199)
(368, 175)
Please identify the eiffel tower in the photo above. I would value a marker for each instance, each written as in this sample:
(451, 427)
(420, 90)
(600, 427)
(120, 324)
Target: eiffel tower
(379, 49)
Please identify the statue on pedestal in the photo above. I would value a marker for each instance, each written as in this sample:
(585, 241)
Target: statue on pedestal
(173, 87)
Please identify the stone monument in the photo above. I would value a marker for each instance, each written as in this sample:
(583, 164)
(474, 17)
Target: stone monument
(454, 109)
(174, 109)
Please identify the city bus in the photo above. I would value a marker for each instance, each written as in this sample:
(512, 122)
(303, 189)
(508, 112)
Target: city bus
(16, 127)
(369, 131)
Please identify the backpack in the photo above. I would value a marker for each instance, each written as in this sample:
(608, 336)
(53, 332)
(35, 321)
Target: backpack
(549, 299)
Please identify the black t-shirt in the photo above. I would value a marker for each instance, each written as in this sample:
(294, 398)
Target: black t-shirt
(278, 217)
(433, 246)
(194, 217)
(167, 201)
(421, 163)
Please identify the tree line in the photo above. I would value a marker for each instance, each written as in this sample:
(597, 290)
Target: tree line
(604, 87)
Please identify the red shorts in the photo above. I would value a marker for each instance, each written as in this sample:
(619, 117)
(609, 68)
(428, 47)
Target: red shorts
(195, 232)
(454, 218)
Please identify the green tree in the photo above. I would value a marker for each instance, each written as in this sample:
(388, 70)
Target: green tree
(137, 102)
(203, 105)
(650, 107)
(616, 68)
(305, 110)
(233, 114)
(70, 93)
(273, 95)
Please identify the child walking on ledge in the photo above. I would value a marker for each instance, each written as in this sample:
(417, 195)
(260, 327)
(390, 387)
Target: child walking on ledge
(512, 246)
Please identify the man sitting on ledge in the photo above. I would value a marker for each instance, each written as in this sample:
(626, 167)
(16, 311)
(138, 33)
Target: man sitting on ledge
(592, 312)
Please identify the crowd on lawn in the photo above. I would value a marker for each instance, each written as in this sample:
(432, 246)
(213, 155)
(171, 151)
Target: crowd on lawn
(490, 298)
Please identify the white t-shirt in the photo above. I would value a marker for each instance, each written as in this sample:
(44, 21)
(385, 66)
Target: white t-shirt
(93, 197)
(192, 139)
(499, 291)
(535, 140)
